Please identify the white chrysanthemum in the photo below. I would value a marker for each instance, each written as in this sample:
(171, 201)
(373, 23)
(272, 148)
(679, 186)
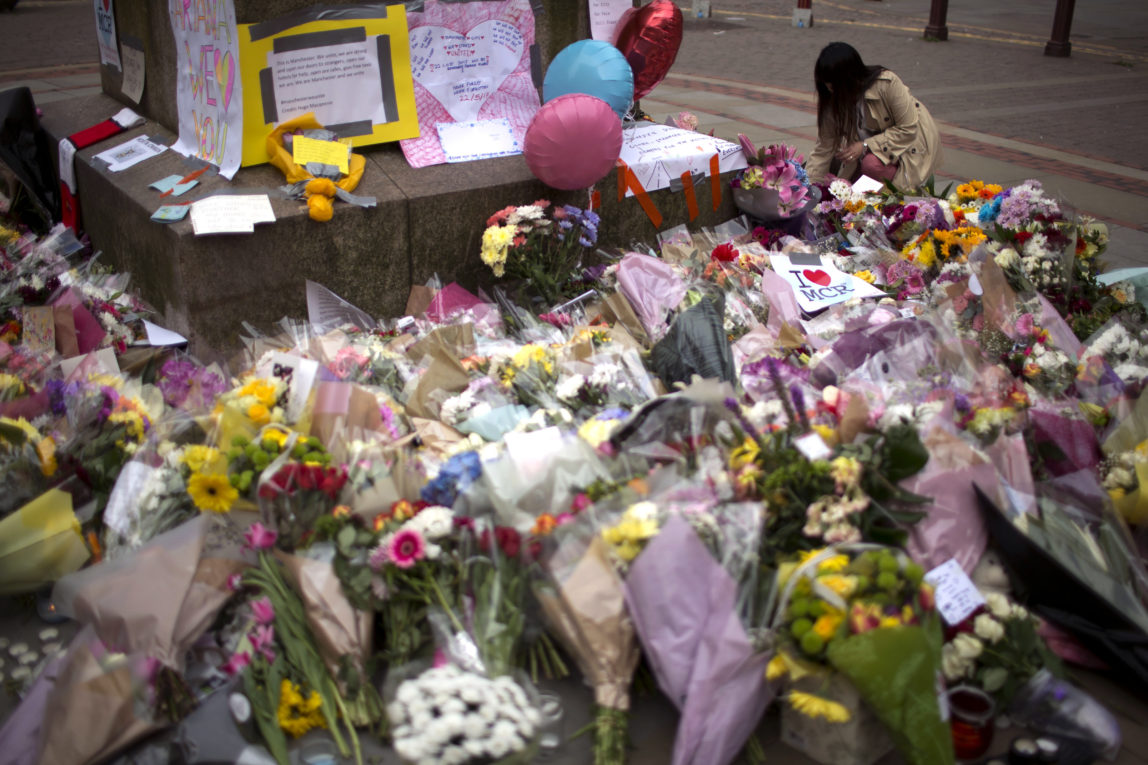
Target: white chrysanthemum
(433, 522)
(568, 388)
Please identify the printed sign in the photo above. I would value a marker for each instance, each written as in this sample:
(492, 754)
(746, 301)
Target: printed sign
(130, 153)
(106, 33)
(818, 284)
(209, 94)
(471, 63)
(352, 72)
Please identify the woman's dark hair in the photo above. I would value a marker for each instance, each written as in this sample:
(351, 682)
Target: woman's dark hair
(841, 78)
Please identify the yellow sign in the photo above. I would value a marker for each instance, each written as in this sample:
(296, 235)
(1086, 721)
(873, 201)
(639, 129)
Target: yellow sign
(304, 150)
(353, 73)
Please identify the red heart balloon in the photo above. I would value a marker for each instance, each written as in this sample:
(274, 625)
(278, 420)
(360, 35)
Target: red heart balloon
(649, 38)
(817, 277)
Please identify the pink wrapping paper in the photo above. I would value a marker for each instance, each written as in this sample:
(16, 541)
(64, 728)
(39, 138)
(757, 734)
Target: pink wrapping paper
(652, 288)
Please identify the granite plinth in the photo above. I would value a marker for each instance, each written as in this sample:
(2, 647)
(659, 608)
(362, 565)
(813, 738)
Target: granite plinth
(427, 221)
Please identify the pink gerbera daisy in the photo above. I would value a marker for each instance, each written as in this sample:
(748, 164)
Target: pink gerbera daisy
(406, 548)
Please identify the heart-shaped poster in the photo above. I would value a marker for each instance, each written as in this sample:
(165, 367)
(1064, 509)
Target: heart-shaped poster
(225, 76)
(817, 276)
(463, 70)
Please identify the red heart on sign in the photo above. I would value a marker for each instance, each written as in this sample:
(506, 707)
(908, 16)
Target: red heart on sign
(817, 277)
(107, 5)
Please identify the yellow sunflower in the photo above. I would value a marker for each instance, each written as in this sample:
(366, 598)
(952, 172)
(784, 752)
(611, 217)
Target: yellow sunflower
(211, 492)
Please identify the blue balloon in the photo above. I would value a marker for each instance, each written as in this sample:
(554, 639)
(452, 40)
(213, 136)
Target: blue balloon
(593, 67)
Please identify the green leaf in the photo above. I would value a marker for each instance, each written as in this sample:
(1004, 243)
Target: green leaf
(905, 455)
(345, 539)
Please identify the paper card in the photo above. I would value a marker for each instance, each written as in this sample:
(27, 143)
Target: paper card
(867, 185)
(819, 285)
(299, 373)
(604, 15)
(127, 119)
(482, 139)
(103, 360)
(209, 217)
(106, 33)
(180, 188)
(157, 335)
(975, 285)
(304, 150)
(813, 446)
(133, 82)
(957, 596)
(67, 168)
(170, 213)
(660, 153)
(130, 153)
(39, 332)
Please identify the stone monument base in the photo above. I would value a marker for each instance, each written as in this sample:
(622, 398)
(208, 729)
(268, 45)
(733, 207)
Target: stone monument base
(427, 221)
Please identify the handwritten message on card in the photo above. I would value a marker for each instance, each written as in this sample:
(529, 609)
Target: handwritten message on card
(470, 62)
(604, 15)
(957, 596)
(208, 90)
(659, 153)
(306, 150)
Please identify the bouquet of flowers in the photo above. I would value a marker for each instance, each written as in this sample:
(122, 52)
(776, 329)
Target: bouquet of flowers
(542, 246)
(774, 185)
(865, 614)
(451, 714)
(998, 649)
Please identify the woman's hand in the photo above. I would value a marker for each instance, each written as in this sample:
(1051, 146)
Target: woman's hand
(852, 153)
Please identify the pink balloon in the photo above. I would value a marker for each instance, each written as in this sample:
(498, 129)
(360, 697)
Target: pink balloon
(573, 141)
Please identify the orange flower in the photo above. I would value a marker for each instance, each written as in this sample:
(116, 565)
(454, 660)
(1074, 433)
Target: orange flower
(543, 525)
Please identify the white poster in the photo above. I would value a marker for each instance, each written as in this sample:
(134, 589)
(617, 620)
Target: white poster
(106, 33)
(339, 83)
(604, 15)
(818, 284)
(208, 92)
(660, 153)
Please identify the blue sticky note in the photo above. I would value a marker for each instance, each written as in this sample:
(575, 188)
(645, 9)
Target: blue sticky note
(166, 184)
(179, 188)
(170, 213)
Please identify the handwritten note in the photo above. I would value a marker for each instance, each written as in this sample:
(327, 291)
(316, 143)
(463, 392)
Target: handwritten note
(463, 70)
(130, 153)
(818, 284)
(208, 94)
(306, 150)
(957, 596)
(604, 15)
(133, 82)
(466, 141)
(106, 33)
(660, 153)
(230, 214)
(170, 213)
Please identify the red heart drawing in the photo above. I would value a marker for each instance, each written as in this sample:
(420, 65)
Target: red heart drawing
(817, 277)
(107, 5)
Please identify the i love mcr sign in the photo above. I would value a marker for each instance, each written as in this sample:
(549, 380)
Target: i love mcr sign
(818, 284)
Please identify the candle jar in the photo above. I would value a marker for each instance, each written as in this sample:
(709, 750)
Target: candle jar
(971, 718)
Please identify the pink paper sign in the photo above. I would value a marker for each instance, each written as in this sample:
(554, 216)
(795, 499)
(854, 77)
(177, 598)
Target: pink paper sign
(470, 61)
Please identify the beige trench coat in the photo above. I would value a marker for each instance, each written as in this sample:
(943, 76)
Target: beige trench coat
(903, 131)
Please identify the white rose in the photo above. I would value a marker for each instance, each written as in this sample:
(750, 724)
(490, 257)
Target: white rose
(1020, 612)
(988, 628)
(952, 665)
(967, 646)
(1007, 258)
(998, 604)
